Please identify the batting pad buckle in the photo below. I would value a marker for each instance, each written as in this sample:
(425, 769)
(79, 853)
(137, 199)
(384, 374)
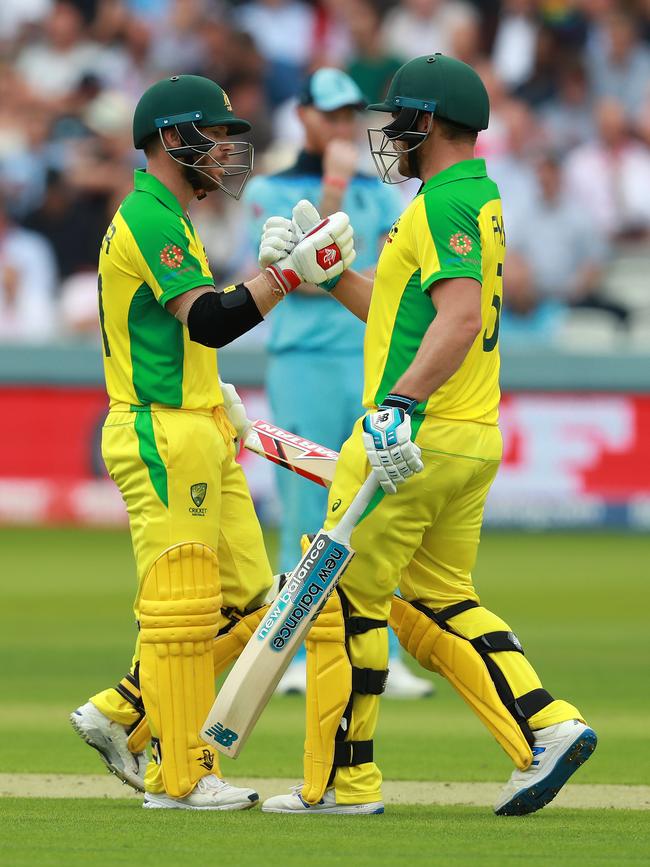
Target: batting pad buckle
(349, 753)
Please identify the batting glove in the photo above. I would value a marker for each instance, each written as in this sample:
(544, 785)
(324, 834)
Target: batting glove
(322, 254)
(387, 441)
(280, 236)
(235, 410)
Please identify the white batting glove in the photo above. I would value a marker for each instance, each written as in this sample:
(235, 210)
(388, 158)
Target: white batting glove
(280, 236)
(235, 410)
(324, 253)
(387, 441)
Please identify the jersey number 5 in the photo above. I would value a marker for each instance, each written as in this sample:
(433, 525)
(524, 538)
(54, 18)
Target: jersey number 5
(490, 342)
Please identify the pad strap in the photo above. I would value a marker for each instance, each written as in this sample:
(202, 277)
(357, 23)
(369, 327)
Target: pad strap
(129, 689)
(359, 625)
(349, 753)
(369, 681)
(495, 642)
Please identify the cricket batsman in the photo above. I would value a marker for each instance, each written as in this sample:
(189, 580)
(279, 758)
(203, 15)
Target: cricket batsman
(315, 347)
(168, 442)
(431, 436)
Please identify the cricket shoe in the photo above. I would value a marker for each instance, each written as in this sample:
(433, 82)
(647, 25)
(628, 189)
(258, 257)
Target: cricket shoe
(110, 738)
(402, 683)
(210, 793)
(295, 803)
(558, 752)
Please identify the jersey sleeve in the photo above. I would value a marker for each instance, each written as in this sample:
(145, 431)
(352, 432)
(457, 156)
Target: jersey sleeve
(447, 239)
(166, 254)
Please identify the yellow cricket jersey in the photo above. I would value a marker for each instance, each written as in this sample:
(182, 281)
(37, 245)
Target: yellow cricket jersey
(150, 254)
(453, 228)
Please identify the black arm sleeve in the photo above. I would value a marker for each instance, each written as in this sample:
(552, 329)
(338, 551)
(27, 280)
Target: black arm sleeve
(217, 318)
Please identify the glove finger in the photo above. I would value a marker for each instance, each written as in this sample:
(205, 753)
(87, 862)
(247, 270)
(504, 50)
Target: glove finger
(346, 248)
(387, 485)
(280, 241)
(346, 235)
(305, 216)
(349, 259)
(276, 223)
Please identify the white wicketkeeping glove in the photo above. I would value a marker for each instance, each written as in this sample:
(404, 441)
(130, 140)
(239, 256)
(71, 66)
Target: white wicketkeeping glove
(393, 456)
(324, 252)
(235, 410)
(280, 236)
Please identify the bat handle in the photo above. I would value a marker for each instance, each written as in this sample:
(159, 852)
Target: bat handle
(343, 530)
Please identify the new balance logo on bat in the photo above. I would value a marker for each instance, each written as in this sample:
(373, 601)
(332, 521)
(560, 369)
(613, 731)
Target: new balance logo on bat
(222, 735)
(302, 598)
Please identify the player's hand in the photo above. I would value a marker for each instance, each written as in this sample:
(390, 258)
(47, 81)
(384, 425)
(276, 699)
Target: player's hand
(280, 236)
(340, 160)
(387, 441)
(324, 253)
(235, 410)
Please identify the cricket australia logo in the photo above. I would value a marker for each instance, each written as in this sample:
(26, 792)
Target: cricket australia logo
(197, 493)
(172, 256)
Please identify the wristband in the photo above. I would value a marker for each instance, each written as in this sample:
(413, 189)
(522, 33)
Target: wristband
(330, 284)
(400, 401)
(334, 181)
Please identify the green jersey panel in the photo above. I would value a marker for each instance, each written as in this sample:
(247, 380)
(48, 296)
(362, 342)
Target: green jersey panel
(150, 254)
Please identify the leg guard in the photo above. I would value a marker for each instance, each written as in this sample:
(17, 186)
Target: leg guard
(234, 636)
(331, 683)
(180, 614)
(468, 665)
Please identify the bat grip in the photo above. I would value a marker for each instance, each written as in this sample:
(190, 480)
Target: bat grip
(343, 530)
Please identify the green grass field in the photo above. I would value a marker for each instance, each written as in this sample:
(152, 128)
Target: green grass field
(579, 603)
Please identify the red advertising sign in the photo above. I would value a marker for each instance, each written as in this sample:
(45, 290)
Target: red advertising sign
(569, 459)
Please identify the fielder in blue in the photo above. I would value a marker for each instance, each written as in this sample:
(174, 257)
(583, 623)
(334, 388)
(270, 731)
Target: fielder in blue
(315, 372)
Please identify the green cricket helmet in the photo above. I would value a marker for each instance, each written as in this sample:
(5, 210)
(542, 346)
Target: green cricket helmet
(189, 103)
(442, 86)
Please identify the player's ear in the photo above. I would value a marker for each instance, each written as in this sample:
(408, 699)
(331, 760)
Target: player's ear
(171, 138)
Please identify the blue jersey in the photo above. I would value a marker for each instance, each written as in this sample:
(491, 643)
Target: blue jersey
(310, 323)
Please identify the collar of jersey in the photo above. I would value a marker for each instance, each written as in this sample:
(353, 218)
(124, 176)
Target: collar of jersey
(457, 172)
(146, 183)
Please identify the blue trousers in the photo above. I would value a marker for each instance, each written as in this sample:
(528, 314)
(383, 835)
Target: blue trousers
(318, 396)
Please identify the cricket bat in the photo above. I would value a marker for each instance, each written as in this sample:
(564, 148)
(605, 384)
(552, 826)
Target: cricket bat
(255, 675)
(310, 460)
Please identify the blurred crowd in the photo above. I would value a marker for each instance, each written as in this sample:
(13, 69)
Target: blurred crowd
(568, 142)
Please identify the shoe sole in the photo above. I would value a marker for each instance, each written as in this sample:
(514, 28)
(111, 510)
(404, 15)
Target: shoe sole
(540, 794)
(113, 769)
(153, 805)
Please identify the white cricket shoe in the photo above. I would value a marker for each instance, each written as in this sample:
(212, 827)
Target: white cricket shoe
(295, 803)
(558, 752)
(294, 680)
(110, 740)
(210, 793)
(402, 683)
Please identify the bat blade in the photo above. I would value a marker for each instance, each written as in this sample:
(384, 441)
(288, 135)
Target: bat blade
(302, 456)
(255, 675)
